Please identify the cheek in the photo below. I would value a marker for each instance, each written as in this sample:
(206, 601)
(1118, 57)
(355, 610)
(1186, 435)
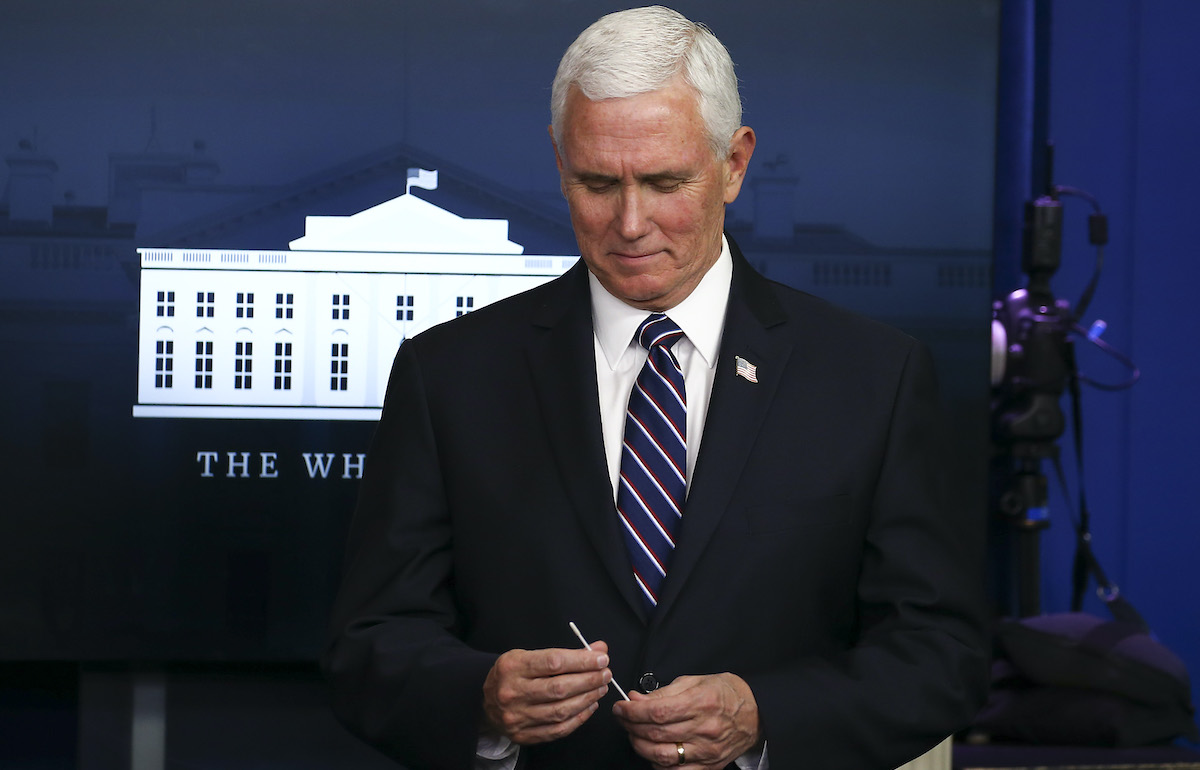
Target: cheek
(590, 216)
(679, 215)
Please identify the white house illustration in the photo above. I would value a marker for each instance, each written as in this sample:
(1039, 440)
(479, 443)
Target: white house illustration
(310, 333)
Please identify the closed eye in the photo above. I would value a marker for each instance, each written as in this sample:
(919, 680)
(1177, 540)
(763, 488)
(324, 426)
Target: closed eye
(667, 186)
(596, 183)
(665, 182)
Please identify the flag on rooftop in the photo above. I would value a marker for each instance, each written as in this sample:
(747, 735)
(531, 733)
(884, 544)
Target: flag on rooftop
(419, 177)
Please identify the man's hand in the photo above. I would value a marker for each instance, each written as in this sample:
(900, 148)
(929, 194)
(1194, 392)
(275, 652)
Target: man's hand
(534, 696)
(715, 717)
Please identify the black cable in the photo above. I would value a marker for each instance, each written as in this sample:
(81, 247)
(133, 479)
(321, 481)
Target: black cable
(1085, 562)
(1063, 189)
(1085, 298)
(1109, 349)
(1097, 236)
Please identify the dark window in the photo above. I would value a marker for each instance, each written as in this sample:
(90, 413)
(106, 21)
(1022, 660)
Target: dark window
(245, 304)
(166, 304)
(283, 366)
(164, 364)
(339, 367)
(284, 304)
(404, 308)
(204, 365)
(242, 365)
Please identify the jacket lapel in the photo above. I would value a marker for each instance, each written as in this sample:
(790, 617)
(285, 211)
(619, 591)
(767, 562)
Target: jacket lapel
(737, 408)
(562, 362)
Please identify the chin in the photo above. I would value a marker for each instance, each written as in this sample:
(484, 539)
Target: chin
(637, 292)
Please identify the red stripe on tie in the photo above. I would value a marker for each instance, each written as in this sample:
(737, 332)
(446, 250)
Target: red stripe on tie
(663, 450)
(645, 548)
(649, 510)
(662, 412)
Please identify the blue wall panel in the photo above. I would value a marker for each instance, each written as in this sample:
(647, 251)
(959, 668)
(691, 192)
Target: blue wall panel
(1126, 119)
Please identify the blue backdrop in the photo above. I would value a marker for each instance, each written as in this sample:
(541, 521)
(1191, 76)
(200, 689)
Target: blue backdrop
(222, 124)
(1126, 132)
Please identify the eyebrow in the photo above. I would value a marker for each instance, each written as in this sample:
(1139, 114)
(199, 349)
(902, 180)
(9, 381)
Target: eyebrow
(665, 176)
(654, 178)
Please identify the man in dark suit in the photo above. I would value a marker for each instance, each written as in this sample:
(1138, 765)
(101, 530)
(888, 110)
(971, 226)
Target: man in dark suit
(818, 604)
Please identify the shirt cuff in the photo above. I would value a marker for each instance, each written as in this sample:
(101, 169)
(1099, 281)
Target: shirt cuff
(754, 759)
(495, 753)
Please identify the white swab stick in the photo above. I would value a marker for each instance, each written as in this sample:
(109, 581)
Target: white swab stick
(613, 682)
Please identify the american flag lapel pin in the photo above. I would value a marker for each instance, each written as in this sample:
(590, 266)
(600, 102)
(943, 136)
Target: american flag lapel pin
(745, 369)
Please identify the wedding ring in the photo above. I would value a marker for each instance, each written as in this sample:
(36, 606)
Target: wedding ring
(679, 750)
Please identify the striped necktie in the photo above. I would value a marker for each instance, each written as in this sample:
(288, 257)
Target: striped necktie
(653, 482)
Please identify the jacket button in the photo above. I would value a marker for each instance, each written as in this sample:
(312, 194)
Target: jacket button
(648, 682)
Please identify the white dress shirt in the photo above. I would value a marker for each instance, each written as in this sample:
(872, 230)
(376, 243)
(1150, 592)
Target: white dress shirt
(619, 357)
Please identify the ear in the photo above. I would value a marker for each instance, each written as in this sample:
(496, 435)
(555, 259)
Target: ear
(554, 144)
(741, 148)
(558, 161)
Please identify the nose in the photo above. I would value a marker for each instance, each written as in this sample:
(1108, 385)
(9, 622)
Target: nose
(633, 220)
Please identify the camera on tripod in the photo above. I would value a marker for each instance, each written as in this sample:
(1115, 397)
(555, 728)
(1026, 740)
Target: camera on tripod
(1033, 363)
(1030, 348)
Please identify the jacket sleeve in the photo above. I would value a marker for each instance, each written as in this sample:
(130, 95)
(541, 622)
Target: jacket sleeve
(400, 677)
(917, 669)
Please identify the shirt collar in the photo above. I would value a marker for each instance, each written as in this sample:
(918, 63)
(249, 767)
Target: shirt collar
(701, 315)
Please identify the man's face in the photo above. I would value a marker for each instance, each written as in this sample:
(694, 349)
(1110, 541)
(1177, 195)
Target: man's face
(647, 195)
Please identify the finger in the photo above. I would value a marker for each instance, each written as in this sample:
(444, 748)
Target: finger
(554, 712)
(670, 705)
(522, 665)
(556, 661)
(509, 685)
(556, 689)
(538, 732)
(707, 711)
(525, 720)
(666, 755)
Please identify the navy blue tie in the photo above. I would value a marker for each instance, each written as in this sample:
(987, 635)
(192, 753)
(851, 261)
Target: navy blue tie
(653, 482)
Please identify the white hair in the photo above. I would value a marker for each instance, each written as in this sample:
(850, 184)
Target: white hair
(641, 50)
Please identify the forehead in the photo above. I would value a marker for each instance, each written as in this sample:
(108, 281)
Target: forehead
(657, 127)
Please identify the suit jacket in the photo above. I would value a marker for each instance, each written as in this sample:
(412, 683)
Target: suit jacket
(819, 557)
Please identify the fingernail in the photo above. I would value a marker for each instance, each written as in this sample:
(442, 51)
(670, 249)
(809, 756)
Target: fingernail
(607, 676)
(602, 661)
